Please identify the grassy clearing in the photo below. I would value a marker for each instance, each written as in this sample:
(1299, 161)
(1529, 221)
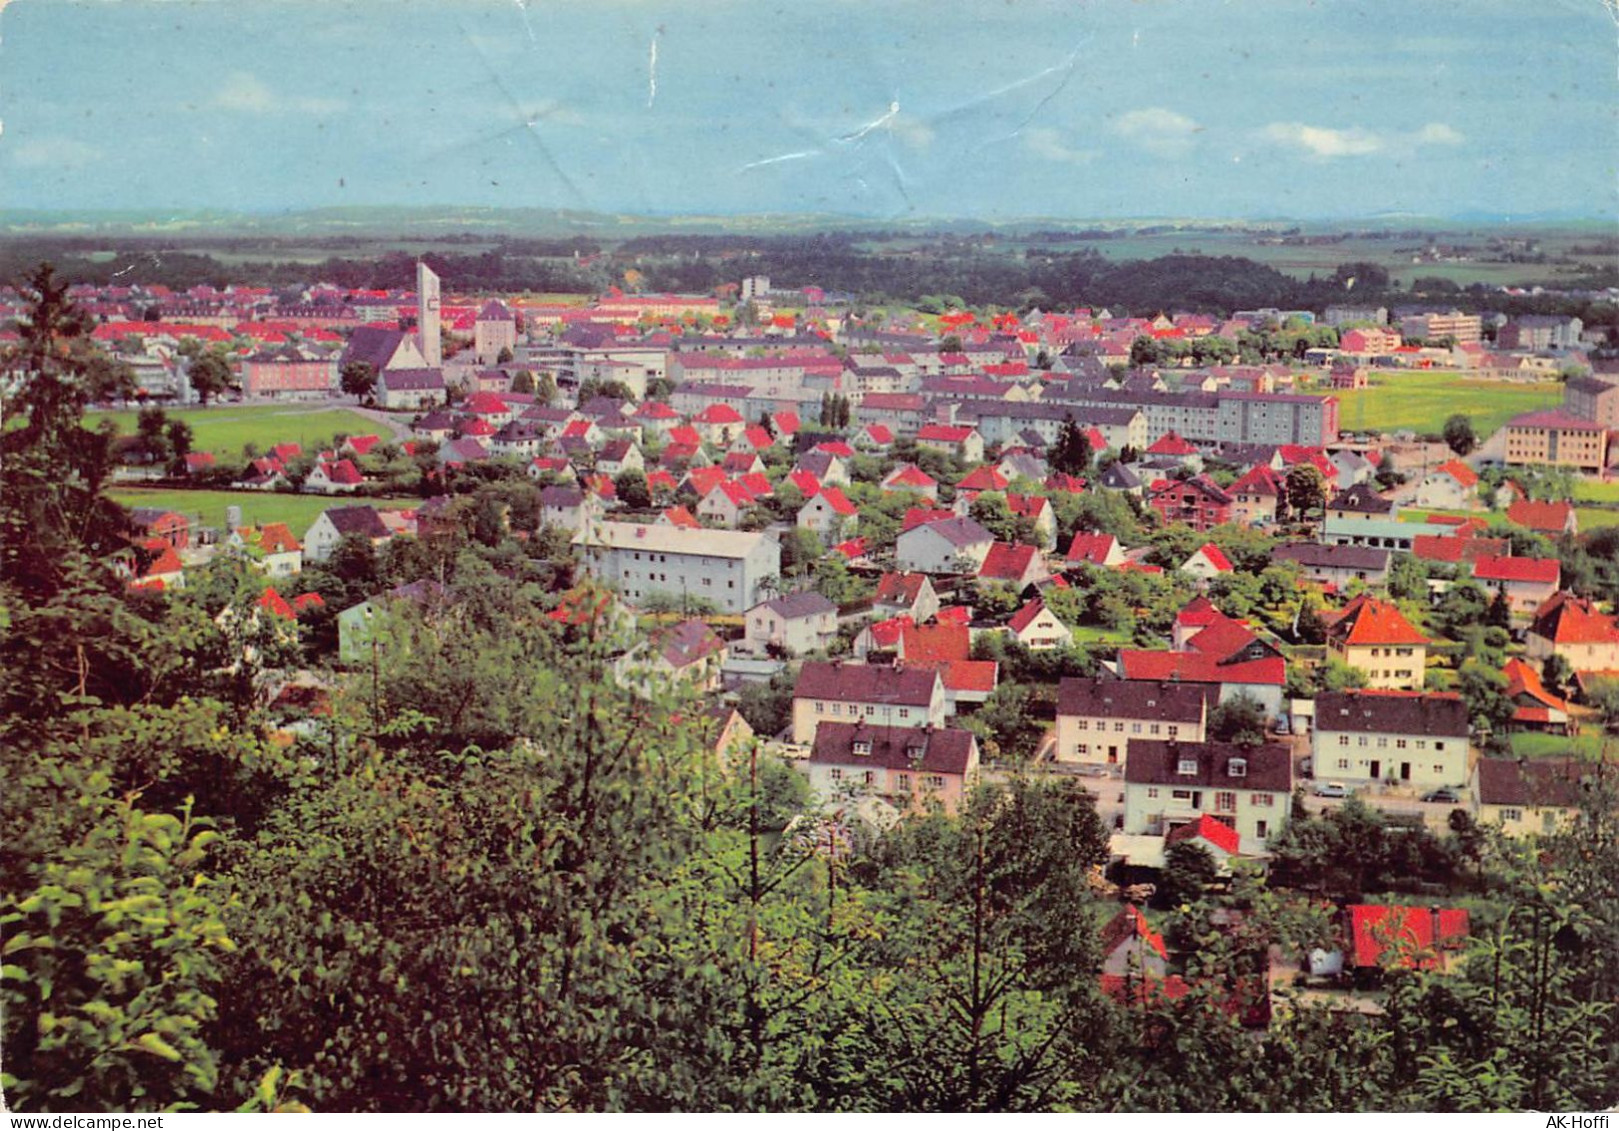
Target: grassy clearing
(225, 429)
(1595, 491)
(1587, 744)
(1594, 518)
(1093, 634)
(297, 511)
(1422, 401)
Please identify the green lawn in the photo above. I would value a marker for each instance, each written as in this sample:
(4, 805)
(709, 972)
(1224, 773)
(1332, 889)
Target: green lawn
(1586, 744)
(1594, 518)
(226, 428)
(1416, 514)
(1422, 401)
(1595, 491)
(1096, 634)
(297, 511)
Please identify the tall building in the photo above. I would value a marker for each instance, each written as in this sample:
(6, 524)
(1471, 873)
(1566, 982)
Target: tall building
(427, 328)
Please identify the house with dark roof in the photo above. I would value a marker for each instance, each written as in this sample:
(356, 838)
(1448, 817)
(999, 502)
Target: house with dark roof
(688, 654)
(1168, 784)
(956, 545)
(793, 625)
(418, 387)
(1097, 718)
(1335, 565)
(907, 767)
(1418, 739)
(334, 523)
(910, 594)
(1197, 502)
(1358, 502)
(1535, 796)
(382, 349)
(839, 692)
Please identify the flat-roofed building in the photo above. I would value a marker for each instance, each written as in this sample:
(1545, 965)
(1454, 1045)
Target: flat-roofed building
(724, 567)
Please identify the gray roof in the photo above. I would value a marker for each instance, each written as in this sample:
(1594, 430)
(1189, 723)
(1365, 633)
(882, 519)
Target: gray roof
(1315, 555)
(797, 605)
(1135, 699)
(957, 531)
(1266, 767)
(1373, 712)
(413, 380)
(372, 344)
(362, 520)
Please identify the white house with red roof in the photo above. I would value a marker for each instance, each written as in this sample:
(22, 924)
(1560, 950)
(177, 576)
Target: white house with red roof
(1257, 496)
(1375, 637)
(1527, 582)
(959, 440)
(1577, 630)
(1015, 564)
(1101, 550)
(719, 424)
(339, 477)
(909, 477)
(1207, 562)
(1037, 627)
(908, 594)
(1172, 446)
(725, 503)
(1450, 486)
(1037, 509)
(830, 514)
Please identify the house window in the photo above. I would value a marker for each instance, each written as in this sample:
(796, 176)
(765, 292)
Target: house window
(1187, 766)
(1155, 728)
(1225, 802)
(1237, 768)
(1343, 763)
(837, 708)
(1262, 828)
(1118, 728)
(1399, 744)
(1181, 794)
(870, 778)
(905, 782)
(1152, 793)
(1438, 769)
(1382, 743)
(1512, 814)
(1343, 740)
(1263, 800)
(820, 708)
(904, 712)
(862, 748)
(1363, 740)
(1135, 728)
(1083, 724)
(837, 774)
(1439, 746)
(1174, 731)
(1081, 748)
(934, 781)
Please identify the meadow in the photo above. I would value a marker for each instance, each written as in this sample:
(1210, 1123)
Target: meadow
(226, 429)
(1421, 402)
(1594, 491)
(297, 511)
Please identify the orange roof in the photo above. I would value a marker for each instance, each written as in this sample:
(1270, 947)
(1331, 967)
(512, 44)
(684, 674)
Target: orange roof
(1540, 516)
(1459, 471)
(934, 641)
(1368, 621)
(1131, 923)
(1222, 836)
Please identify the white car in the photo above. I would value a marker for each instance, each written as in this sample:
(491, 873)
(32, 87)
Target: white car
(1331, 789)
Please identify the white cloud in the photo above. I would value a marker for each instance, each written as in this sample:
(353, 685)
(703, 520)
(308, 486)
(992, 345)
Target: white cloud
(1356, 141)
(247, 94)
(53, 153)
(1437, 133)
(911, 130)
(1053, 146)
(1157, 130)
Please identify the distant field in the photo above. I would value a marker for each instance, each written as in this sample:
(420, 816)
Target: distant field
(226, 429)
(1594, 518)
(297, 511)
(1587, 744)
(1422, 402)
(1592, 491)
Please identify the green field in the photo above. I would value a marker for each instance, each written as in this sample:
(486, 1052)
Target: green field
(297, 511)
(224, 429)
(1586, 744)
(1422, 401)
(1593, 491)
(1594, 518)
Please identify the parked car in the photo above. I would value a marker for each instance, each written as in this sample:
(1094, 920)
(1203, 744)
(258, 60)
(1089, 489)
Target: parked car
(1331, 789)
(1443, 793)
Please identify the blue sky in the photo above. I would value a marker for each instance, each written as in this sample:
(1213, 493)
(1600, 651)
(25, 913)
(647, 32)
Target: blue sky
(1077, 109)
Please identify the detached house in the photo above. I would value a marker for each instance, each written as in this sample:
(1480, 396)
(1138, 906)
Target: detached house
(329, 529)
(1100, 550)
(1450, 486)
(959, 440)
(1097, 718)
(1373, 636)
(1169, 784)
(1257, 497)
(908, 767)
(830, 514)
(1198, 503)
(1575, 629)
(1014, 563)
(905, 594)
(1037, 627)
(909, 477)
(957, 545)
(838, 692)
(1363, 737)
(795, 624)
(1527, 582)
(1531, 798)
(334, 478)
(1335, 565)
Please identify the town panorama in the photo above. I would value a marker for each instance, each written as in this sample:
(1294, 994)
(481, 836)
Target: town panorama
(664, 557)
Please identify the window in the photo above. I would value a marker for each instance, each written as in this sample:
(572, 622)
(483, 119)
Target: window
(820, 708)
(905, 782)
(1187, 766)
(1262, 828)
(870, 778)
(1154, 728)
(1343, 763)
(837, 708)
(1237, 768)
(1382, 743)
(1363, 740)
(1512, 814)
(1422, 744)
(837, 774)
(1081, 748)
(1118, 728)
(1181, 794)
(1399, 744)
(1263, 800)
(1343, 740)
(1439, 746)
(934, 781)
(1135, 728)
(1174, 730)
(862, 747)
(1438, 769)
(871, 709)
(1152, 793)
(1083, 724)
(1225, 802)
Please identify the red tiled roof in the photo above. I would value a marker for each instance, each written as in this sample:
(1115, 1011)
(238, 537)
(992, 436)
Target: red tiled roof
(838, 501)
(1129, 924)
(1215, 557)
(680, 516)
(933, 642)
(1222, 836)
(1196, 667)
(1026, 615)
(944, 433)
(1550, 517)
(921, 516)
(1567, 619)
(276, 605)
(1007, 561)
(1546, 571)
(1366, 620)
(1171, 444)
(1409, 929)
(806, 482)
(983, 479)
(1458, 471)
(1092, 548)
